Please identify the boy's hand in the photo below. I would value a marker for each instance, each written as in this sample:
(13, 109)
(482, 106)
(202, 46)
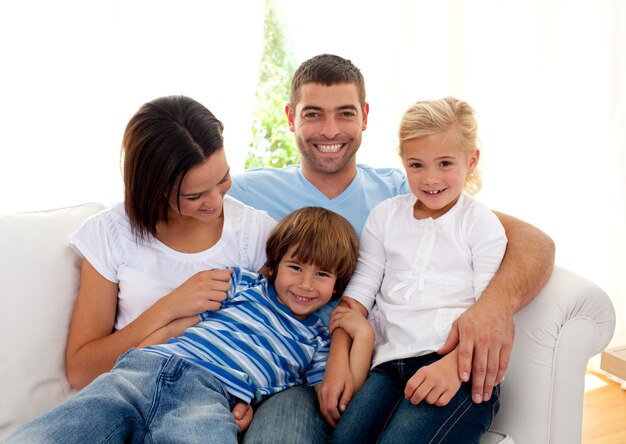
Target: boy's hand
(243, 413)
(334, 393)
(337, 387)
(436, 383)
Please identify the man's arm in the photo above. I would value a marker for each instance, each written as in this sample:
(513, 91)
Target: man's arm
(486, 330)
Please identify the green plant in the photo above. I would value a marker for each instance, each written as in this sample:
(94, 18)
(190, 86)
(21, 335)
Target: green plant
(272, 143)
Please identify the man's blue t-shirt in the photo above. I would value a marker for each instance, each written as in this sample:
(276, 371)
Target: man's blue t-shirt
(280, 191)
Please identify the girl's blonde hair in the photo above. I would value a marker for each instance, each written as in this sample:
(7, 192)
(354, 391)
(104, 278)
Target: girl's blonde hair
(450, 115)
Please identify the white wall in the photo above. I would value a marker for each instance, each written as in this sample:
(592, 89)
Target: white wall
(75, 71)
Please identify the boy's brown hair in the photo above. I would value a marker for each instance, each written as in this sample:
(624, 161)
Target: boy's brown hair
(323, 238)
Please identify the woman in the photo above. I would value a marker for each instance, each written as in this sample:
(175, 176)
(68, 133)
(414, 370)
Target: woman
(159, 258)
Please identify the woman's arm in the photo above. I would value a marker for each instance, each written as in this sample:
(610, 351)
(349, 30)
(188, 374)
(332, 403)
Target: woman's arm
(171, 330)
(93, 346)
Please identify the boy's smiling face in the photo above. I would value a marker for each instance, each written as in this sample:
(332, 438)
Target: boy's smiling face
(303, 288)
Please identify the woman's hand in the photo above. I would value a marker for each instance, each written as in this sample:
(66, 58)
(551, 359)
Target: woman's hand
(93, 345)
(204, 291)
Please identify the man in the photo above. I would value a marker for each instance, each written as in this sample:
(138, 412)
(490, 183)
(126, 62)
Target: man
(328, 113)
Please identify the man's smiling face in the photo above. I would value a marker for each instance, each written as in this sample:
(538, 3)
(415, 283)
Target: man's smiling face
(327, 122)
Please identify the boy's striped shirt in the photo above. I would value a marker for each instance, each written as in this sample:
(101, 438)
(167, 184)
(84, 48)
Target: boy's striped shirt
(253, 344)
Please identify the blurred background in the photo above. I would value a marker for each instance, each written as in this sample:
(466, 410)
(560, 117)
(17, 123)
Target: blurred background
(547, 79)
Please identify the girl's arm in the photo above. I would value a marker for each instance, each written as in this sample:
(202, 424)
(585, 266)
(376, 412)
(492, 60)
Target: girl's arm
(93, 346)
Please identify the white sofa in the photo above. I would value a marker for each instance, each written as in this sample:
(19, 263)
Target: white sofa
(542, 395)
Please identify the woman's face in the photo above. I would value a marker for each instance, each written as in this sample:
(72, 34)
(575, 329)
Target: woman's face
(203, 188)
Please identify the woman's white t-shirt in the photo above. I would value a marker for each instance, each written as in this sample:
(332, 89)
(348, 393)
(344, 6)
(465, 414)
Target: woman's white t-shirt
(147, 270)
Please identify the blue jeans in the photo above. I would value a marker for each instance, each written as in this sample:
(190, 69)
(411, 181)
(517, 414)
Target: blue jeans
(380, 413)
(145, 399)
(291, 416)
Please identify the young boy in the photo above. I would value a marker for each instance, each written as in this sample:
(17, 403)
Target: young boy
(264, 339)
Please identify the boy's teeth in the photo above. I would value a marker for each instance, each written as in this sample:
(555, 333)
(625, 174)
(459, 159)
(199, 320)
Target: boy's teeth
(329, 148)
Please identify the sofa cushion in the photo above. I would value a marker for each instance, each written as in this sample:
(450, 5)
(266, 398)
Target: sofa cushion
(38, 285)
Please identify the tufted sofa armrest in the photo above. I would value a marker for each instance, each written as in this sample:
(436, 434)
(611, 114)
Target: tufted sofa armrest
(542, 394)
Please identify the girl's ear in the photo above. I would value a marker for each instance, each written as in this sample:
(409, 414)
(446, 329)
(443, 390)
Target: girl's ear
(473, 160)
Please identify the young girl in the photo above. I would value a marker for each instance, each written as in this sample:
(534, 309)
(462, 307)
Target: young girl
(425, 258)
(264, 339)
(155, 261)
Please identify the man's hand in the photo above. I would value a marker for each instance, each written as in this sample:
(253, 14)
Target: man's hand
(242, 412)
(484, 334)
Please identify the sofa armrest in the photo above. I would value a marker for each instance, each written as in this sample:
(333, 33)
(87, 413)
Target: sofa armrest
(39, 283)
(542, 395)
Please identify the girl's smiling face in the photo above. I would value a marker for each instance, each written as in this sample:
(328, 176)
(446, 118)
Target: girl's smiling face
(436, 167)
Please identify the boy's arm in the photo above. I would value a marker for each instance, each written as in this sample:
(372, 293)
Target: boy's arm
(355, 324)
(338, 386)
(337, 382)
(484, 333)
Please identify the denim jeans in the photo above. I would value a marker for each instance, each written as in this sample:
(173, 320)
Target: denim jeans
(145, 399)
(289, 417)
(380, 413)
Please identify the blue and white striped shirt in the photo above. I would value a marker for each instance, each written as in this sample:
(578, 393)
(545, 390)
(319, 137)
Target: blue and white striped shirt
(253, 344)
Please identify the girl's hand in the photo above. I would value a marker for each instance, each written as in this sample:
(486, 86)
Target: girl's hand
(436, 383)
(351, 320)
(204, 291)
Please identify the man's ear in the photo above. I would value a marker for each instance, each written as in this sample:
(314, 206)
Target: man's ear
(291, 117)
(366, 111)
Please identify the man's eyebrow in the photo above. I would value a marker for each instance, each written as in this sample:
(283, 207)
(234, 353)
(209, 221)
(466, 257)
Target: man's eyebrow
(352, 107)
(311, 107)
(340, 107)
